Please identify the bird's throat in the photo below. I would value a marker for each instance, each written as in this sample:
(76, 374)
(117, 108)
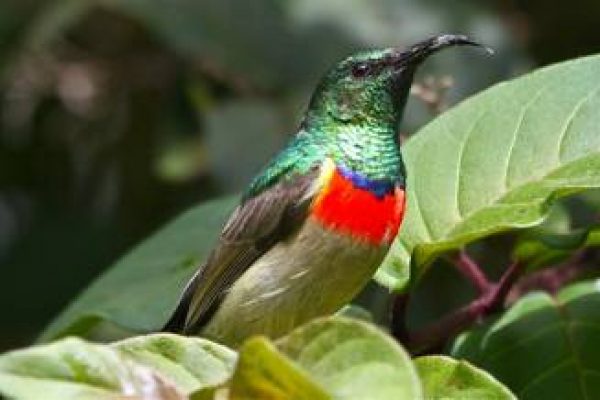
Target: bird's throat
(370, 211)
(372, 151)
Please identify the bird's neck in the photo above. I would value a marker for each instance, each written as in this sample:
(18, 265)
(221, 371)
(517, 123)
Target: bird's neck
(371, 152)
(369, 157)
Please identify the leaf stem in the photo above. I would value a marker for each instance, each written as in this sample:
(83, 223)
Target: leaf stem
(472, 271)
(491, 299)
(553, 279)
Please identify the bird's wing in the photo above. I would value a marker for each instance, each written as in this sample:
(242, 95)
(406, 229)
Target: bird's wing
(254, 227)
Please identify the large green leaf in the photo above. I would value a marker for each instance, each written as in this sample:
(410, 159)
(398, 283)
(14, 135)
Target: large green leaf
(496, 161)
(446, 378)
(334, 357)
(330, 358)
(352, 360)
(139, 292)
(543, 347)
(190, 363)
(157, 367)
(265, 373)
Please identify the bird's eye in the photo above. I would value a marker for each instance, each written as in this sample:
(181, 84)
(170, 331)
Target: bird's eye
(360, 70)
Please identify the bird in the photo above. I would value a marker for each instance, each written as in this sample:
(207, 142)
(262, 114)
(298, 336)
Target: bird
(314, 225)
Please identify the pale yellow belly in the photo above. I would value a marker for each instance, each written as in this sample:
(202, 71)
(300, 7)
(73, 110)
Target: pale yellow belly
(312, 274)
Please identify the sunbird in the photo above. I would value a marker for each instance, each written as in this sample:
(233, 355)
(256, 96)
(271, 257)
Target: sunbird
(314, 225)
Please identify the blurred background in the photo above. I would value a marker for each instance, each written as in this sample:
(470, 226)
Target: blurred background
(116, 115)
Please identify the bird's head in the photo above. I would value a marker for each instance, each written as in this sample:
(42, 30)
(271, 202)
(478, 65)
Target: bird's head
(371, 87)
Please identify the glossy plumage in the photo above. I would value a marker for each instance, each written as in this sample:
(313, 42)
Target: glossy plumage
(366, 210)
(313, 227)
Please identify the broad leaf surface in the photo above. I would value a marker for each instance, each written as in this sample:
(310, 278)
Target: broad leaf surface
(73, 368)
(543, 347)
(496, 161)
(140, 291)
(332, 358)
(352, 360)
(264, 373)
(147, 367)
(190, 363)
(446, 378)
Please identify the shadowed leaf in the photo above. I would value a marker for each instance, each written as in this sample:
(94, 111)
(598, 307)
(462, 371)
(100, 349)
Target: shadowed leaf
(542, 347)
(140, 291)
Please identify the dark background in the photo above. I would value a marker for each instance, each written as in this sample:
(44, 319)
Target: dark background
(116, 115)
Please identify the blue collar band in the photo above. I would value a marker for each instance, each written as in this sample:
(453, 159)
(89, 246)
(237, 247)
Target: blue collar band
(379, 187)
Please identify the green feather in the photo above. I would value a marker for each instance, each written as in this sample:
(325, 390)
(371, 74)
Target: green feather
(353, 120)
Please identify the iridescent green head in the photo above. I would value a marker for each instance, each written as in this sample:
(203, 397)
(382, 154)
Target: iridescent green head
(354, 114)
(371, 87)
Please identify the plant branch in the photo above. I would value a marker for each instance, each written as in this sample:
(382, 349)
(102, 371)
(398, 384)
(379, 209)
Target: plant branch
(472, 271)
(490, 300)
(553, 279)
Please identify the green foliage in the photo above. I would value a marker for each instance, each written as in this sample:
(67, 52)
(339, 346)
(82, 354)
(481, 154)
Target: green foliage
(494, 163)
(139, 292)
(497, 161)
(114, 114)
(477, 160)
(191, 364)
(331, 358)
(264, 373)
(446, 378)
(353, 360)
(163, 366)
(543, 347)
(551, 242)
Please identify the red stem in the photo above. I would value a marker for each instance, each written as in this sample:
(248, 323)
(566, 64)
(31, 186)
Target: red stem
(471, 270)
(553, 279)
(492, 298)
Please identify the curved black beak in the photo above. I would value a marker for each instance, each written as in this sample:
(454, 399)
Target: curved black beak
(414, 55)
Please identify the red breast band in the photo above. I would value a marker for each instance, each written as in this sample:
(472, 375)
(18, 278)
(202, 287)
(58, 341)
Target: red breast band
(343, 207)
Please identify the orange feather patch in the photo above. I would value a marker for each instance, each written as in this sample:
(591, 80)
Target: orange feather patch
(345, 208)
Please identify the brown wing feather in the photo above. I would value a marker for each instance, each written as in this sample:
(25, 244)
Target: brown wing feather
(253, 228)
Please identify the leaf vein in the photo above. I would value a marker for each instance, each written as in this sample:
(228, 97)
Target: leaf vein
(544, 375)
(569, 122)
(523, 341)
(460, 177)
(426, 224)
(575, 357)
(516, 134)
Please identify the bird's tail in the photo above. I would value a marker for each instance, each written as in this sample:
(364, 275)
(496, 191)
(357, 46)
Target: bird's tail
(176, 324)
